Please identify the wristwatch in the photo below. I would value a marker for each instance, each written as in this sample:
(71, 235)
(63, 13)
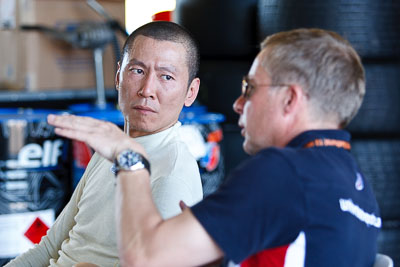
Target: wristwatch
(129, 160)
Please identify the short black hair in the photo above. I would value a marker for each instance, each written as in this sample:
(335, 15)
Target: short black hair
(169, 31)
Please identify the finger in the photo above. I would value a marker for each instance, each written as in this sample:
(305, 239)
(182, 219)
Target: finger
(73, 134)
(69, 126)
(85, 264)
(72, 122)
(81, 128)
(95, 141)
(94, 132)
(182, 205)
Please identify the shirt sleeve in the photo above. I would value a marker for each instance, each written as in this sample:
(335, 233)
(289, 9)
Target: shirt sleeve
(180, 180)
(167, 192)
(259, 207)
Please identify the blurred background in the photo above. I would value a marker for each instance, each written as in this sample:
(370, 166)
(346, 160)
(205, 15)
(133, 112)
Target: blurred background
(60, 56)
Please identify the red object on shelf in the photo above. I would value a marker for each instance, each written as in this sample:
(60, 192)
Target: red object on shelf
(163, 16)
(82, 153)
(37, 229)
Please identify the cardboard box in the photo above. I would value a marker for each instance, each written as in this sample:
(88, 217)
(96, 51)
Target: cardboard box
(14, 13)
(11, 70)
(37, 61)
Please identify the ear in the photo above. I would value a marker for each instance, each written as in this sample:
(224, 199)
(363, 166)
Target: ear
(293, 97)
(192, 92)
(117, 75)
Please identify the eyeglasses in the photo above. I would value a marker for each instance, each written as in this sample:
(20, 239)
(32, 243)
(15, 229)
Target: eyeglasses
(248, 89)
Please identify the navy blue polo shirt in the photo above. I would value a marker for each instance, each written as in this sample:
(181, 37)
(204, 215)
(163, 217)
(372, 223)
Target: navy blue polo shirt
(304, 206)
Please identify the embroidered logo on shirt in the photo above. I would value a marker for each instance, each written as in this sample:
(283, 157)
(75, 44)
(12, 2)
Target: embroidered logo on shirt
(347, 205)
(359, 182)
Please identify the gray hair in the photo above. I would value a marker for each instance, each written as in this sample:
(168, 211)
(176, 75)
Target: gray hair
(324, 64)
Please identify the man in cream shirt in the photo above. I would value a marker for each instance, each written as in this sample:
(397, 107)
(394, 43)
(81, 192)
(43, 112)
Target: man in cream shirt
(155, 79)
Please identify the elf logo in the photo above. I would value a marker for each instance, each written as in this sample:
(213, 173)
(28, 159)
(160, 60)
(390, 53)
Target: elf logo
(35, 156)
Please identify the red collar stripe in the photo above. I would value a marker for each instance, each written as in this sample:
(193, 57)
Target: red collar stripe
(329, 142)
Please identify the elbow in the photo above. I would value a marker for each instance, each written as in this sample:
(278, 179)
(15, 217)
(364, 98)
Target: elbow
(136, 258)
(130, 259)
(140, 249)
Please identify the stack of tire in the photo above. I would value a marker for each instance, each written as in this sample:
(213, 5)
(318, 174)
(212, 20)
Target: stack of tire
(373, 28)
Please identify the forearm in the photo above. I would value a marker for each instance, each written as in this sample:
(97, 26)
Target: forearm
(145, 239)
(137, 215)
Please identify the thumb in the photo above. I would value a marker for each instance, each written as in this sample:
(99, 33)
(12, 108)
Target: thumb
(182, 205)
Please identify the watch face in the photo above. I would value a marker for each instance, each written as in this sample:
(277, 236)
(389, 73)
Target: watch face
(128, 159)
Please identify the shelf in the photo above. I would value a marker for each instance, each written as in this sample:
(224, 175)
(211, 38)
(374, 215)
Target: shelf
(14, 96)
(51, 98)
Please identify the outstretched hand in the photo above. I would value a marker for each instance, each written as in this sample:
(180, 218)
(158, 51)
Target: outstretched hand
(104, 137)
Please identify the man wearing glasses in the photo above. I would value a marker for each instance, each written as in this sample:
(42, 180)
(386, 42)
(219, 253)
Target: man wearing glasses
(300, 200)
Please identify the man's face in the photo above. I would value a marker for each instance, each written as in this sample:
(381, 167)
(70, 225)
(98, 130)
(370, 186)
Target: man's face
(259, 112)
(152, 81)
